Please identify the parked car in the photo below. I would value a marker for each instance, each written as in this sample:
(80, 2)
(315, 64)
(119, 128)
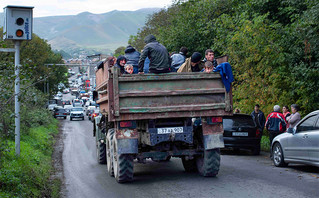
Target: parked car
(299, 144)
(76, 112)
(241, 132)
(60, 113)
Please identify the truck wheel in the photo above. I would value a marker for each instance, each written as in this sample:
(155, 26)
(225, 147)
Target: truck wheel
(109, 152)
(189, 165)
(122, 164)
(100, 152)
(208, 165)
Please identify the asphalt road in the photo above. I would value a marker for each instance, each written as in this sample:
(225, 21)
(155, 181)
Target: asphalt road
(241, 175)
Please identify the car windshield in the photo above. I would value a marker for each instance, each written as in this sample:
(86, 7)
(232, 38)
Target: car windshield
(77, 109)
(237, 121)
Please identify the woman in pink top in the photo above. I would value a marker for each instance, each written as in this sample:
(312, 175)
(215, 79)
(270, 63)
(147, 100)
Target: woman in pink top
(285, 111)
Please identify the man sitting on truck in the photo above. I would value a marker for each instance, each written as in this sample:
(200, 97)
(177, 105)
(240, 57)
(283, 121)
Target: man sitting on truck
(210, 56)
(192, 64)
(158, 55)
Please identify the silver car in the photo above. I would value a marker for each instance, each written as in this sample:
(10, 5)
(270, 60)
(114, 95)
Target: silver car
(298, 145)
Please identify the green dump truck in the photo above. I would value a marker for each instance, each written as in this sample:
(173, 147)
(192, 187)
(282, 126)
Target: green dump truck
(152, 116)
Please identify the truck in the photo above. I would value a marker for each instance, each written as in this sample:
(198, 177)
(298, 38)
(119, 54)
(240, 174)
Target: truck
(159, 116)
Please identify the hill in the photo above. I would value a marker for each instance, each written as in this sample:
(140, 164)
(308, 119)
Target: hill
(88, 32)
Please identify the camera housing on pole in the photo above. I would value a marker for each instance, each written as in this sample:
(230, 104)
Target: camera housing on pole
(18, 21)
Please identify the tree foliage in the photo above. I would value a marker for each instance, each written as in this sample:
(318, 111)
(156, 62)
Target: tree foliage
(272, 45)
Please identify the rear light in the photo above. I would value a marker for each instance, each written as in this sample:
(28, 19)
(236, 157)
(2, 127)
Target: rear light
(65, 114)
(217, 119)
(214, 120)
(127, 124)
(56, 113)
(257, 133)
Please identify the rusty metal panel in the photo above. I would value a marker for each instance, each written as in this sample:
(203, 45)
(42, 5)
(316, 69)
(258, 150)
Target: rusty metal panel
(126, 133)
(213, 141)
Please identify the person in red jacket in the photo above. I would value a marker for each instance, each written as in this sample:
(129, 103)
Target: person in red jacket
(275, 123)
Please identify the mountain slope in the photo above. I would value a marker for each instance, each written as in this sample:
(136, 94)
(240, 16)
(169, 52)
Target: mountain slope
(94, 31)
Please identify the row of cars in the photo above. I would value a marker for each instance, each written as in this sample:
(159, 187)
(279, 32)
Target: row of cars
(298, 145)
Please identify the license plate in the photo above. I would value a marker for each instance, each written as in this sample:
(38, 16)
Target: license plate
(240, 134)
(170, 130)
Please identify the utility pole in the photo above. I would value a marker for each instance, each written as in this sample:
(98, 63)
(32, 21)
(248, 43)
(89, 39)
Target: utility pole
(16, 96)
(17, 27)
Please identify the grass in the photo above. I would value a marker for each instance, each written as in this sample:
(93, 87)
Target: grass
(29, 174)
(265, 145)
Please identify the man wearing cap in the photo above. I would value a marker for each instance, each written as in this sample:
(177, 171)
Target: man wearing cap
(193, 64)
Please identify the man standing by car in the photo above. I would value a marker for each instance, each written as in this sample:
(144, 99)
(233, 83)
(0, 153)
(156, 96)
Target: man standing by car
(158, 55)
(275, 123)
(259, 118)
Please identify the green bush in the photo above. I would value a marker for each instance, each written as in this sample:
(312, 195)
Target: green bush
(29, 174)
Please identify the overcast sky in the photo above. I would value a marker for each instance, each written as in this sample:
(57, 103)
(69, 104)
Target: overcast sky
(73, 7)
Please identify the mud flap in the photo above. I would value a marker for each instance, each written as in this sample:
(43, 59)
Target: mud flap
(213, 141)
(127, 146)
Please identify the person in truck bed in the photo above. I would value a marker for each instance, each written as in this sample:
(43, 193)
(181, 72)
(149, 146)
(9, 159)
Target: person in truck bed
(192, 64)
(209, 67)
(128, 69)
(120, 62)
(158, 55)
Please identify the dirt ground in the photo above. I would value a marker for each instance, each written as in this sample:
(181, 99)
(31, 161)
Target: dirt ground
(57, 161)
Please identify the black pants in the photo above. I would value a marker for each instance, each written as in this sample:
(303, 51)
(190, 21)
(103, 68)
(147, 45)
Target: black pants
(272, 135)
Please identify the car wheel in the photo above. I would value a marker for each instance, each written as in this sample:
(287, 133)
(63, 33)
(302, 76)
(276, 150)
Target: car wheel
(70, 119)
(278, 156)
(65, 117)
(83, 118)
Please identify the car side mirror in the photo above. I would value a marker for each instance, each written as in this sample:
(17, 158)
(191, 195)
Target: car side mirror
(292, 130)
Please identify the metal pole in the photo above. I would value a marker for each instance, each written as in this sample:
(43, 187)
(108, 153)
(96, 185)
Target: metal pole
(16, 97)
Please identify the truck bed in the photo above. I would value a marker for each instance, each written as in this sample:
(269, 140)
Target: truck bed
(171, 95)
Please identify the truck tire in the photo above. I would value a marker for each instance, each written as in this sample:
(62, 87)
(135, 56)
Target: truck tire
(100, 152)
(122, 164)
(208, 164)
(189, 165)
(109, 152)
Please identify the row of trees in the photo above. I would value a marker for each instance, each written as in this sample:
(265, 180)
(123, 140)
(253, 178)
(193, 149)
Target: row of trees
(273, 45)
(33, 74)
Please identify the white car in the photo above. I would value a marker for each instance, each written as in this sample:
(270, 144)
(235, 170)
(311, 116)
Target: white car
(51, 106)
(76, 112)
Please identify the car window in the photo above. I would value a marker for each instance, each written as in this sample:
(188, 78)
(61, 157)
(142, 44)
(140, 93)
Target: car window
(234, 122)
(308, 124)
(77, 109)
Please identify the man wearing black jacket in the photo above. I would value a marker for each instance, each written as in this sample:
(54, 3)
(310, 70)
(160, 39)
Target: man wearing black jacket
(259, 118)
(158, 55)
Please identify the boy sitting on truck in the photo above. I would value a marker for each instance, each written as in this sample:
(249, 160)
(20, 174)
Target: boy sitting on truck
(209, 67)
(128, 69)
